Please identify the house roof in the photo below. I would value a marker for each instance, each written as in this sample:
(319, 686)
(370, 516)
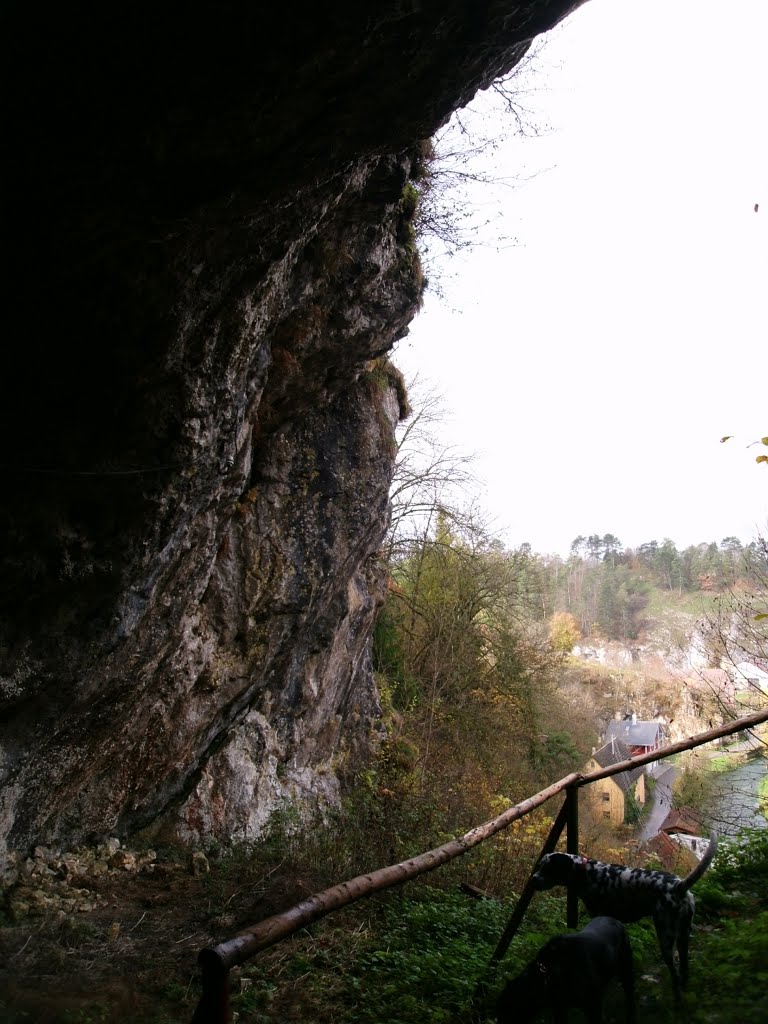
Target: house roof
(612, 753)
(634, 734)
(682, 819)
(672, 856)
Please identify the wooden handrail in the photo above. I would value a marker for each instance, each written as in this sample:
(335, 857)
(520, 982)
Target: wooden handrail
(674, 748)
(277, 927)
(216, 961)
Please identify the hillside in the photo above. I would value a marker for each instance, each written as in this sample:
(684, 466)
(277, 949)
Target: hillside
(659, 632)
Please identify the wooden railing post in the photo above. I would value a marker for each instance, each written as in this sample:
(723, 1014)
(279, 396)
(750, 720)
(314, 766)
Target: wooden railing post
(527, 894)
(572, 846)
(518, 913)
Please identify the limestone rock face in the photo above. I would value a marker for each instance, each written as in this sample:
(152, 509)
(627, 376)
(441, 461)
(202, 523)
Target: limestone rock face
(209, 248)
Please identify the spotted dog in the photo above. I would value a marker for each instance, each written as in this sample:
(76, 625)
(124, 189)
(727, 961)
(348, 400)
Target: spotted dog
(572, 971)
(631, 893)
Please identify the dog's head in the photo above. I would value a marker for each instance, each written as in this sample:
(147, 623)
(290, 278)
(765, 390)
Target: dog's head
(557, 869)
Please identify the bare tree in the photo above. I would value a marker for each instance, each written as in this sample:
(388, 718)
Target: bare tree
(735, 632)
(431, 478)
(460, 176)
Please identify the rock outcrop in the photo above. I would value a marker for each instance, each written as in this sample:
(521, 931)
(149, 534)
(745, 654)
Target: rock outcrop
(211, 252)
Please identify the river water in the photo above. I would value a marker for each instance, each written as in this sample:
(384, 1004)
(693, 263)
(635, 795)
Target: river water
(735, 801)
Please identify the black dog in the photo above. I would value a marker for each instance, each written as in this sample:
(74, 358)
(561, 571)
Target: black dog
(631, 893)
(572, 971)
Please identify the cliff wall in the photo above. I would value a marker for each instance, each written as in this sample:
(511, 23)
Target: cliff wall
(209, 248)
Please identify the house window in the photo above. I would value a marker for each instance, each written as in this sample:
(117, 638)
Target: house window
(607, 814)
(606, 796)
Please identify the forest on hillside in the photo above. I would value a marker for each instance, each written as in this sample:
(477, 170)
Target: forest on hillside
(607, 587)
(472, 651)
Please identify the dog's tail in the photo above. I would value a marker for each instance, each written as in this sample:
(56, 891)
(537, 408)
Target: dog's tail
(685, 883)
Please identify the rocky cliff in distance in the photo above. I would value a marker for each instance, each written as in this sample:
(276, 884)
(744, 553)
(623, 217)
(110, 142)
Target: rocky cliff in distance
(209, 248)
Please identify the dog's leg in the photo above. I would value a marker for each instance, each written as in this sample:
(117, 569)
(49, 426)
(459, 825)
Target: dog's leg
(683, 935)
(666, 931)
(626, 975)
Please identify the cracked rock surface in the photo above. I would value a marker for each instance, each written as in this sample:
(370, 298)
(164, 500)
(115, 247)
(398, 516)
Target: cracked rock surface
(210, 255)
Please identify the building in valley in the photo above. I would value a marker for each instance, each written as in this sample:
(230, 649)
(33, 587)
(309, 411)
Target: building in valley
(619, 798)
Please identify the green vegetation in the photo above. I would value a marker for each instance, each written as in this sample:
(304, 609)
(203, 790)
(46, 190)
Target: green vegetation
(407, 955)
(383, 374)
(762, 797)
(723, 763)
(691, 603)
(469, 676)
(602, 590)
(419, 954)
(606, 592)
(695, 786)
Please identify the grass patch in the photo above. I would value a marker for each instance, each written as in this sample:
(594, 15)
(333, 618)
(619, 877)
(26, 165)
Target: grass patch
(693, 603)
(721, 763)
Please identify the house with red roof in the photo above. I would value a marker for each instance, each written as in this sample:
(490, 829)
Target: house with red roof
(684, 827)
(638, 737)
(671, 856)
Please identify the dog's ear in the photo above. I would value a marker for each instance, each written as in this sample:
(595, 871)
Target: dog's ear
(561, 866)
(553, 869)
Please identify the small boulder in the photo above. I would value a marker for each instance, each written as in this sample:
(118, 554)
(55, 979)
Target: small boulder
(199, 864)
(124, 860)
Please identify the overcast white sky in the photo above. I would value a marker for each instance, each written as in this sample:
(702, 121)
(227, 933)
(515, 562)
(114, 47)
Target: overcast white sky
(594, 365)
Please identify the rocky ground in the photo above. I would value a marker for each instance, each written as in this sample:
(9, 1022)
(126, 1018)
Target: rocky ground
(100, 934)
